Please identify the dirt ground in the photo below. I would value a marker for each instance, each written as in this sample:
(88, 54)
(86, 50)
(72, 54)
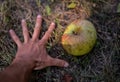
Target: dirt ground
(102, 64)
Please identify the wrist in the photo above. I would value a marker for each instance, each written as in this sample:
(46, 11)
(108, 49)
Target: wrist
(23, 63)
(19, 70)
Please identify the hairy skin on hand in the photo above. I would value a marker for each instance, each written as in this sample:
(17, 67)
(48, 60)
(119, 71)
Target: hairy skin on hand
(31, 54)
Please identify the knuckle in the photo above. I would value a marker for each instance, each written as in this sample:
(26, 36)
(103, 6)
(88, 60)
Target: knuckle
(59, 62)
(48, 32)
(25, 31)
(15, 38)
(37, 29)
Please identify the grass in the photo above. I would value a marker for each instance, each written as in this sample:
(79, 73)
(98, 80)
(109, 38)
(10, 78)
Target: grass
(100, 65)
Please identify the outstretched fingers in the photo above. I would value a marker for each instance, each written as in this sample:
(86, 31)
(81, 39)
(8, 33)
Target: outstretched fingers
(25, 31)
(15, 38)
(48, 33)
(37, 28)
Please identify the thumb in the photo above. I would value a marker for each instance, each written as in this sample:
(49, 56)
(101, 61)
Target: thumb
(58, 62)
(51, 62)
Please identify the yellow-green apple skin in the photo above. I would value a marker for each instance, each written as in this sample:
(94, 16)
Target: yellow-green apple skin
(79, 37)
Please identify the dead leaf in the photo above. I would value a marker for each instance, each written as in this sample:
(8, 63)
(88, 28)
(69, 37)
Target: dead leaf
(72, 5)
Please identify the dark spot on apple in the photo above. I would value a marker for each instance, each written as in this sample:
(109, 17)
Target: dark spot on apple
(80, 49)
(89, 31)
(75, 33)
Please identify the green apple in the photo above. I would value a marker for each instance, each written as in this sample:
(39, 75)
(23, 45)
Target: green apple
(79, 37)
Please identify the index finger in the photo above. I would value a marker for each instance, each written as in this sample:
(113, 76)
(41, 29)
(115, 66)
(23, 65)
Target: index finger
(48, 33)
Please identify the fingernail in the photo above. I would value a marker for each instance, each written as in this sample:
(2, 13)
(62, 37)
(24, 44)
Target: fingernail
(66, 65)
(52, 23)
(39, 16)
(10, 30)
(23, 20)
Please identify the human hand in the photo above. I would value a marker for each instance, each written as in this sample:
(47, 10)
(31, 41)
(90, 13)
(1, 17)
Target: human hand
(33, 51)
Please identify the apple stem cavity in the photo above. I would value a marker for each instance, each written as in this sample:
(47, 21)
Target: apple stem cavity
(75, 33)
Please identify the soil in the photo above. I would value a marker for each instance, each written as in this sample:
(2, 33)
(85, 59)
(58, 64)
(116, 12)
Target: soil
(102, 64)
